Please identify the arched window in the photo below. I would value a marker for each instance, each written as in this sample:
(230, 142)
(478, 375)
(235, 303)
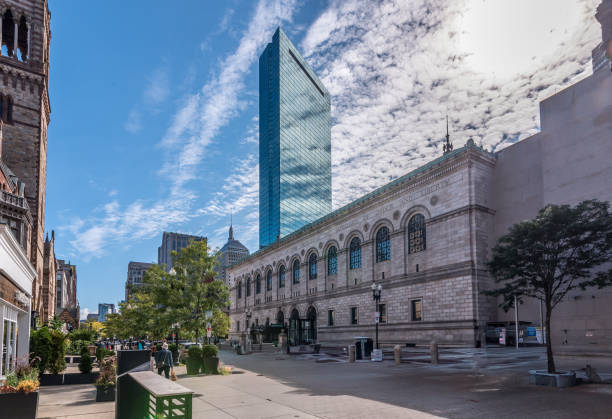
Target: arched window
(296, 272)
(258, 284)
(383, 245)
(22, 40)
(8, 34)
(239, 289)
(416, 234)
(248, 287)
(355, 253)
(312, 267)
(332, 261)
(281, 277)
(269, 281)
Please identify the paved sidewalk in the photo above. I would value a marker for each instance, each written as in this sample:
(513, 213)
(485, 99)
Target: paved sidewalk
(246, 394)
(72, 402)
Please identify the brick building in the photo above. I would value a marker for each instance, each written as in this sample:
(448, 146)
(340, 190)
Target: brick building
(25, 109)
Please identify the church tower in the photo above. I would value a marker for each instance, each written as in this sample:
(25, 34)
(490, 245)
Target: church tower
(25, 35)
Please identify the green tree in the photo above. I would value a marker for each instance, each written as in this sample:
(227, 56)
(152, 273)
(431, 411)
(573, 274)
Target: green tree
(190, 290)
(561, 249)
(220, 324)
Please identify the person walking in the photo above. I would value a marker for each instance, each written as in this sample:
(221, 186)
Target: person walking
(163, 361)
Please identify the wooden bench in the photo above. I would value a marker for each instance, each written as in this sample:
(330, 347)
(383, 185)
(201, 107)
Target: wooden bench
(145, 394)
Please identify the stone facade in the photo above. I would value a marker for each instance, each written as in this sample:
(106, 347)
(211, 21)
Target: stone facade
(49, 282)
(24, 81)
(453, 194)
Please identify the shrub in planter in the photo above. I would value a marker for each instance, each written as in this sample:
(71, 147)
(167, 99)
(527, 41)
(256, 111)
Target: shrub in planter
(19, 395)
(40, 347)
(105, 384)
(211, 362)
(86, 364)
(194, 360)
(57, 358)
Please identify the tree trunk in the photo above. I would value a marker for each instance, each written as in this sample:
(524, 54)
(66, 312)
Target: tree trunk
(549, 353)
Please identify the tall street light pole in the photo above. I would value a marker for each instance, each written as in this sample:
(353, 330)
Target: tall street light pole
(376, 291)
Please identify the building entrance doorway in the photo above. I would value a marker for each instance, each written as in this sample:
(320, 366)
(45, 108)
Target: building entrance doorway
(309, 326)
(295, 329)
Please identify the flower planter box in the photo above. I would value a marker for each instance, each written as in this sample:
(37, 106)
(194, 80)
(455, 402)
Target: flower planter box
(105, 393)
(19, 405)
(193, 366)
(560, 379)
(211, 365)
(51, 379)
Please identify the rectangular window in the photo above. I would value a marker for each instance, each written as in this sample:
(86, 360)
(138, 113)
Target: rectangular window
(238, 326)
(417, 310)
(354, 315)
(382, 309)
(330, 317)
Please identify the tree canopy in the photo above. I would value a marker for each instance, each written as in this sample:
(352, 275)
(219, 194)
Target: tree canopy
(181, 296)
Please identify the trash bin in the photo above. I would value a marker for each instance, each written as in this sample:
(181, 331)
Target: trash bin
(363, 347)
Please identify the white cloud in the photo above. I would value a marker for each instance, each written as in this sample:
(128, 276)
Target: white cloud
(396, 70)
(157, 90)
(133, 123)
(84, 312)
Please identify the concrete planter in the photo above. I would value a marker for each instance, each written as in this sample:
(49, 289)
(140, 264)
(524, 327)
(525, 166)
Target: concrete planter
(560, 379)
(211, 365)
(105, 393)
(19, 405)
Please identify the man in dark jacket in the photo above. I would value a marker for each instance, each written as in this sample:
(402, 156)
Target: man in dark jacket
(163, 360)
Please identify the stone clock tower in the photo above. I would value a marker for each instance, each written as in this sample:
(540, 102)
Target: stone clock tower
(25, 35)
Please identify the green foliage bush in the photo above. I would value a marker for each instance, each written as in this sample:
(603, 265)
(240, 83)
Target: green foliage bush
(84, 350)
(75, 347)
(40, 348)
(102, 353)
(57, 361)
(86, 364)
(209, 351)
(194, 352)
(88, 335)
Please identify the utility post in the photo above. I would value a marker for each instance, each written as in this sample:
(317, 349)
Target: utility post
(376, 291)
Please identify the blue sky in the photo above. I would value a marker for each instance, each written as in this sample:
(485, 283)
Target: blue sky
(154, 110)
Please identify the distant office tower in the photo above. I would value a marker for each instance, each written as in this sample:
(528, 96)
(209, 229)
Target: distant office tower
(231, 252)
(135, 274)
(294, 142)
(104, 309)
(170, 242)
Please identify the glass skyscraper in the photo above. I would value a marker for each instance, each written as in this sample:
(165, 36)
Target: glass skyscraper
(294, 142)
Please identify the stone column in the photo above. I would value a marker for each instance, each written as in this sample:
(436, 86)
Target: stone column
(396, 354)
(433, 349)
(351, 349)
(15, 39)
(29, 37)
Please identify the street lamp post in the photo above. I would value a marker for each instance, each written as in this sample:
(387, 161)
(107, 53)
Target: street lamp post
(376, 291)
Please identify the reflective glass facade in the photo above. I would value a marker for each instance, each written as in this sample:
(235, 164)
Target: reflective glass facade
(294, 142)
